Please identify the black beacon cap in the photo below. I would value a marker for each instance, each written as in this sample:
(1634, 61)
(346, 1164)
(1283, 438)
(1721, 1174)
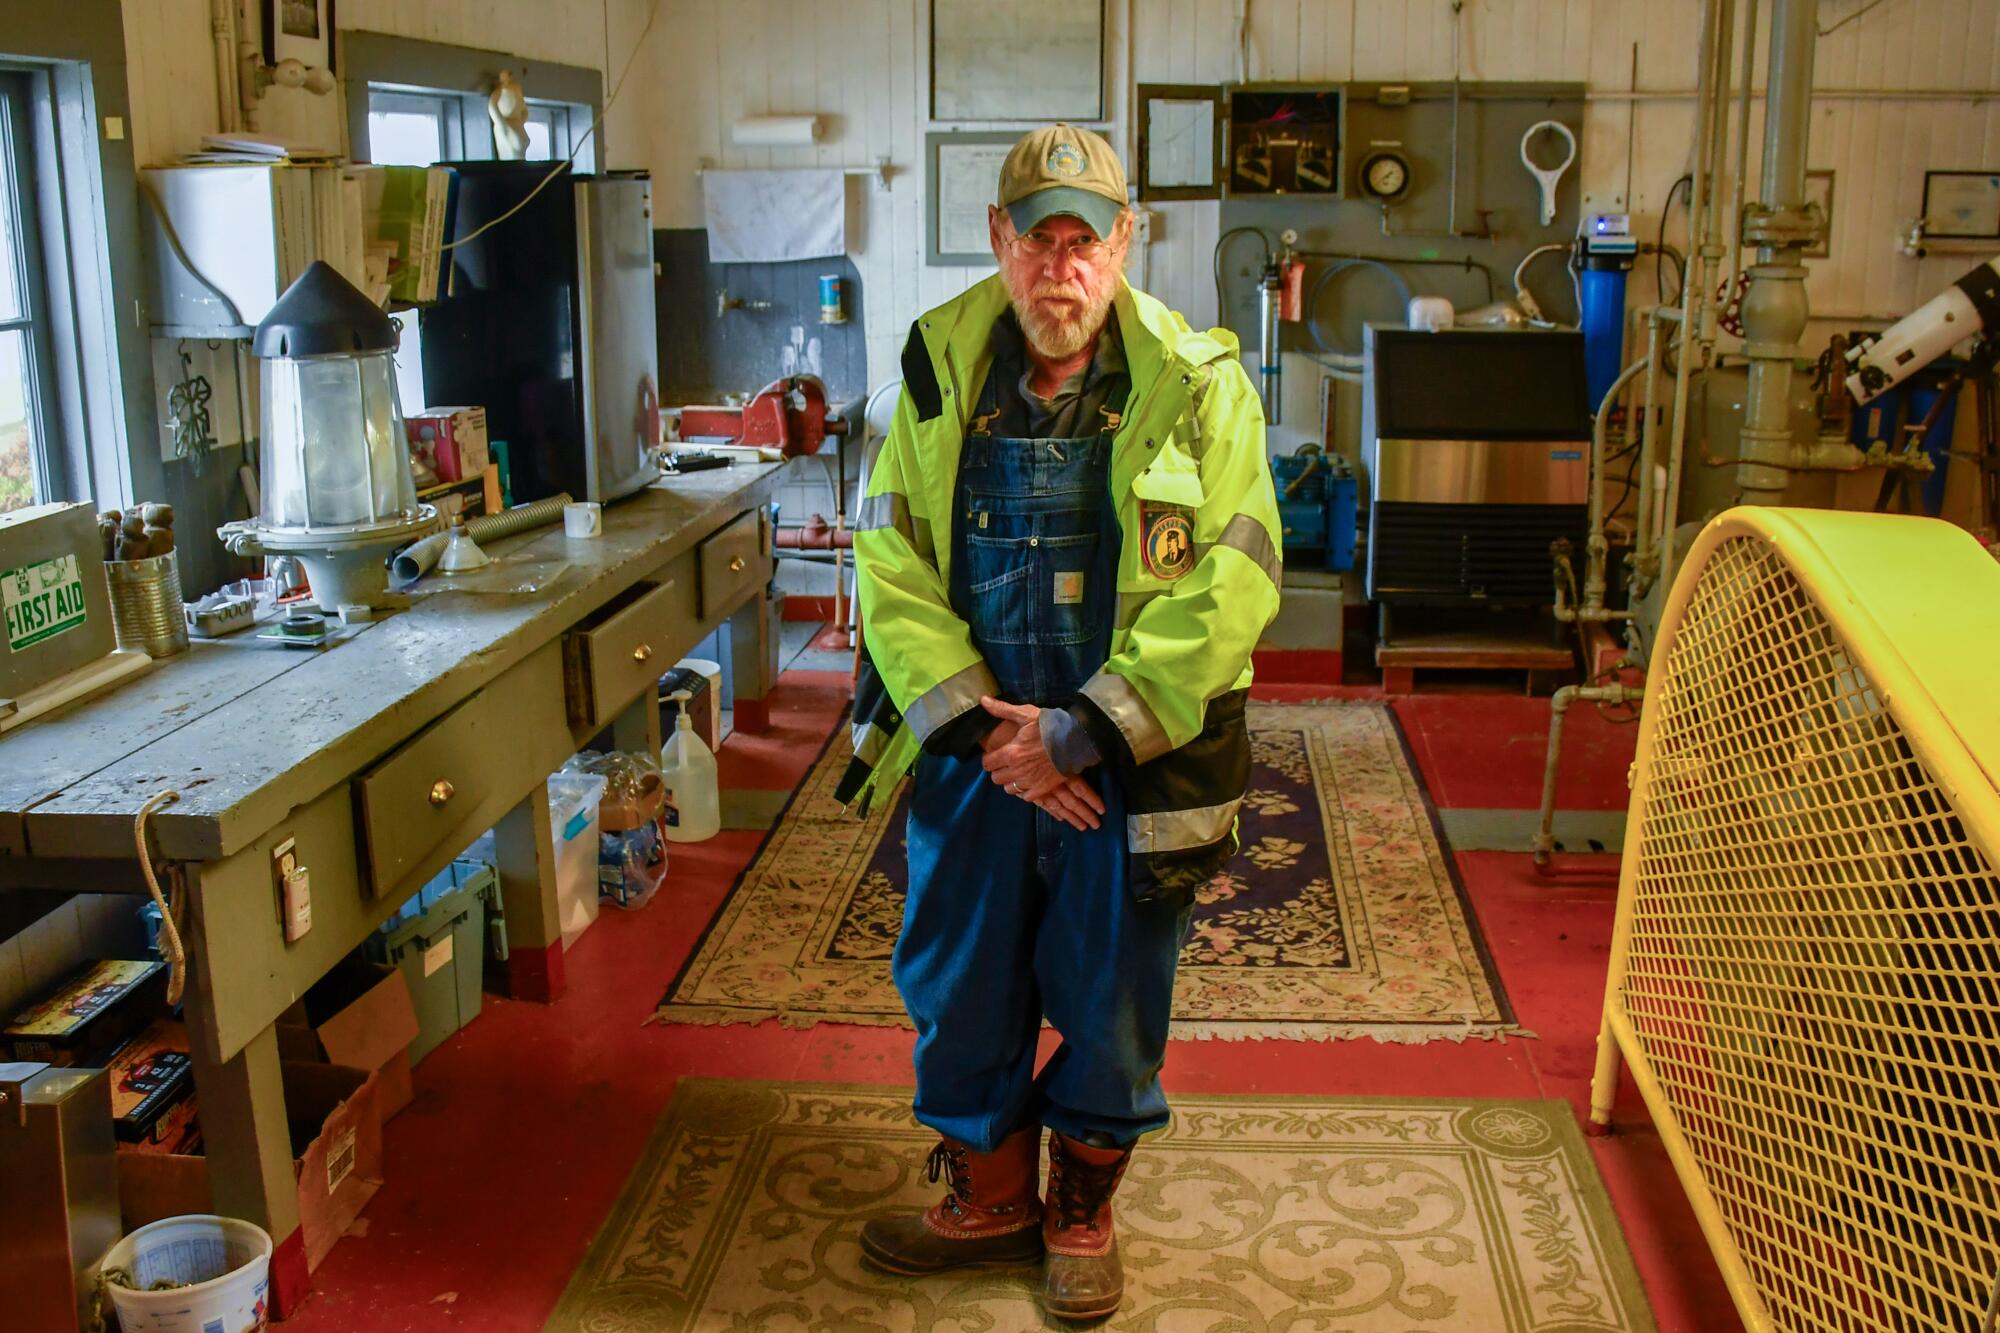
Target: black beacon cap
(322, 314)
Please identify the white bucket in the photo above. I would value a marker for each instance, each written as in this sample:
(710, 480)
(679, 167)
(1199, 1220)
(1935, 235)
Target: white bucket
(227, 1262)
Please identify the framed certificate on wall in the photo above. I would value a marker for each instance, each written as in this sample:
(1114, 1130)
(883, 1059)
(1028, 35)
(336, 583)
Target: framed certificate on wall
(1962, 205)
(979, 49)
(962, 178)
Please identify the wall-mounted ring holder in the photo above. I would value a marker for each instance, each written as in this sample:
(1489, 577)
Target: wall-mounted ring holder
(1547, 177)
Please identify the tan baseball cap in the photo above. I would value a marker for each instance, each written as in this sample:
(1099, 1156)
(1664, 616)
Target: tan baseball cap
(1062, 169)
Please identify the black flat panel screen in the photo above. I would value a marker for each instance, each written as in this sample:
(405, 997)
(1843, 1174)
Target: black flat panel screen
(1462, 385)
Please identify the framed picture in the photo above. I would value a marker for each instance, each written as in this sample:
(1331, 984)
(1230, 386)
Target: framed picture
(962, 179)
(1819, 190)
(1962, 205)
(300, 30)
(979, 50)
(1180, 141)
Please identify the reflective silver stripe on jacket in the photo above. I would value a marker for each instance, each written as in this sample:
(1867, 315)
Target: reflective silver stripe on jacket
(1244, 533)
(892, 510)
(869, 742)
(1179, 830)
(948, 698)
(1116, 697)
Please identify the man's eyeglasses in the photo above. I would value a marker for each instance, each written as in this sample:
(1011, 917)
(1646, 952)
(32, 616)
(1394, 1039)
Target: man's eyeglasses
(1040, 249)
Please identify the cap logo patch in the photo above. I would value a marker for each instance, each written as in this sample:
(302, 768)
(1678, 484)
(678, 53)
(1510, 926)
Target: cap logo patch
(1066, 159)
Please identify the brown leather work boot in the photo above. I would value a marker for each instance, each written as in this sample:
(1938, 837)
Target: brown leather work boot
(989, 1216)
(1082, 1277)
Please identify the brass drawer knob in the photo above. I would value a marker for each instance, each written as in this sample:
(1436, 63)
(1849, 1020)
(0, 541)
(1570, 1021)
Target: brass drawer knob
(736, 565)
(642, 652)
(442, 791)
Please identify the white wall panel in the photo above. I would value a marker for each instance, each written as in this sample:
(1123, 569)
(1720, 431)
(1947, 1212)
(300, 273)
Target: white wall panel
(864, 65)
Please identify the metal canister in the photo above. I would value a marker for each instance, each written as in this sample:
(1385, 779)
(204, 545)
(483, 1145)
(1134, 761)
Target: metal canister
(831, 308)
(146, 604)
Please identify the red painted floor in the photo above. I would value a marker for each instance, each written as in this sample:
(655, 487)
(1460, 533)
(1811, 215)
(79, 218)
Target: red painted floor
(527, 1122)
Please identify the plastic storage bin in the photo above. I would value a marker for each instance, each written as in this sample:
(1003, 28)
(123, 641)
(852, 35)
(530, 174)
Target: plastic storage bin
(440, 946)
(573, 825)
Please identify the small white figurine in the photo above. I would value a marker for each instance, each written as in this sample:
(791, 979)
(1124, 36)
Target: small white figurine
(508, 106)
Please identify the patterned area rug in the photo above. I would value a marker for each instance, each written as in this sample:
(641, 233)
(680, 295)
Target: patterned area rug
(1342, 915)
(1246, 1213)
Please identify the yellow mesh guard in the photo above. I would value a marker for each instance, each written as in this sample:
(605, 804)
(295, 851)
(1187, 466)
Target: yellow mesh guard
(1806, 969)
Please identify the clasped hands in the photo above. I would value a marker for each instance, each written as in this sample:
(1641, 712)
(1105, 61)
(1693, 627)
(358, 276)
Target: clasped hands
(1017, 760)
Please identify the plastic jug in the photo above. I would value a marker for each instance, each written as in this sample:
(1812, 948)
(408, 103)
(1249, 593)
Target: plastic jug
(694, 801)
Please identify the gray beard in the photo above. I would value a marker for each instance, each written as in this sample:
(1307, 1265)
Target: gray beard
(1061, 339)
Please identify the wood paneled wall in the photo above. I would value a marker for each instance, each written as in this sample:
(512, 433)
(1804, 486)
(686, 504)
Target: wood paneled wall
(1889, 109)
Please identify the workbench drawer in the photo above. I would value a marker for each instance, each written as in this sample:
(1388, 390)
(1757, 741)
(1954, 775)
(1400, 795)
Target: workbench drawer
(623, 652)
(428, 790)
(732, 562)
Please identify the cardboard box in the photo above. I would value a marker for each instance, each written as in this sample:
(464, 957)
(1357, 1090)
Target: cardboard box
(450, 441)
(358, 1015)
(469, 498)
(84, 1019)
(152, 1090)
(336, 1129)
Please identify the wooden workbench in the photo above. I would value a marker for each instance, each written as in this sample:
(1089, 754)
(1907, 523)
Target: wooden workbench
(380, 758)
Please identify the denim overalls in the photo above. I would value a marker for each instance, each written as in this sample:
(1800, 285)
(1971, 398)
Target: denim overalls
(1013, 914)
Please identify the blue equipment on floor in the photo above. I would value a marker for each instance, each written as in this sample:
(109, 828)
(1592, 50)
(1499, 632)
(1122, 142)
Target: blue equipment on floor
(1318, 496)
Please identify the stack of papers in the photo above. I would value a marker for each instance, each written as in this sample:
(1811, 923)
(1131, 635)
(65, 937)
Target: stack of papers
(246, 147)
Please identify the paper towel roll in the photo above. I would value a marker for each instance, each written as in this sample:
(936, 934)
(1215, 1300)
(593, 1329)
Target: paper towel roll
(774, 131)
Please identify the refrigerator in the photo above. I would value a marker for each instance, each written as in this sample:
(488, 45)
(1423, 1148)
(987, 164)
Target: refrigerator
(548, 324)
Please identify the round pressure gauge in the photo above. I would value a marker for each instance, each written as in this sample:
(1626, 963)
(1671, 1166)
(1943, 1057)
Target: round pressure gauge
(1385, 176)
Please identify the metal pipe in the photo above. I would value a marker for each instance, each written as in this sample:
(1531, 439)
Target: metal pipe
(1644, 551)
(1740, 175)
(1696, 316)
(1545, 831)
(1597, 549)
(1775, 309)
(222, 26)
(1269, 368)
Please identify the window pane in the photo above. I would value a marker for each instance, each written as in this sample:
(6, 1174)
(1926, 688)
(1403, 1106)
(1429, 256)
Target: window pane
(409, 362)
(405, 138)
(10, 242)
(18, 485)
(540, 141)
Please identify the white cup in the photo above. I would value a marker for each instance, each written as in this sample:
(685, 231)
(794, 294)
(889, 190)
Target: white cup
(583, 519)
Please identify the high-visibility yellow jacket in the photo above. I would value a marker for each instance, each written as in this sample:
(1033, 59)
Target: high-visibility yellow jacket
(1167, 707)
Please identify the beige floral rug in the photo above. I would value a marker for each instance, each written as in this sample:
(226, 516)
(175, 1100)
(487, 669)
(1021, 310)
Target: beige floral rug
(1342, 916)
(1246, 1213)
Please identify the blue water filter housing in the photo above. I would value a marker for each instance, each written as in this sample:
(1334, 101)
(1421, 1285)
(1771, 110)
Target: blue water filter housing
(1603, 324)
(1609, 248)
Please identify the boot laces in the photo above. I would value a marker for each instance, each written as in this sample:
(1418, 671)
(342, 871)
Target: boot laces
(949, 1160)
(1079, 1189)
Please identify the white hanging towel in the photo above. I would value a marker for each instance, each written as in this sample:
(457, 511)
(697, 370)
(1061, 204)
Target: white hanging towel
(761, 217)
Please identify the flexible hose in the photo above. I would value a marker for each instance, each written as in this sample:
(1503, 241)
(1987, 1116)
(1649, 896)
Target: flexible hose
(170, 933)
(1352, 359)
(492, 527)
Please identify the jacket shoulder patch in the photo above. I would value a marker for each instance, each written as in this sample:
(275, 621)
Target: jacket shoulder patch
(920, 376)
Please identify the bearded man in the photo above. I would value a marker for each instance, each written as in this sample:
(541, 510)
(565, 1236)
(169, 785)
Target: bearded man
(1068, 549)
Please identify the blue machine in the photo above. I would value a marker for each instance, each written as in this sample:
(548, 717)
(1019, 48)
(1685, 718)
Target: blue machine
(1608, 251)
(1884, 419)
(1318, 496)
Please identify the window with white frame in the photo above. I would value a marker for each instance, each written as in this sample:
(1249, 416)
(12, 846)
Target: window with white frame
(31, 460)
